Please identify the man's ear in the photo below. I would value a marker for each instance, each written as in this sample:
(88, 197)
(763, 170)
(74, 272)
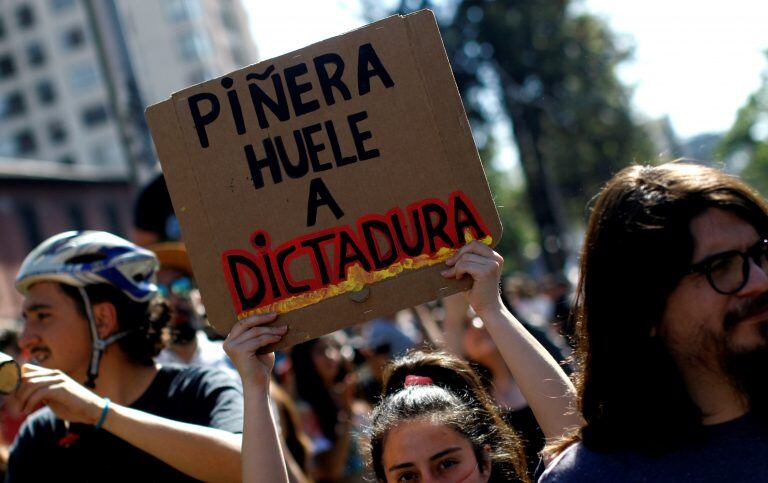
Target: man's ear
(105, 318)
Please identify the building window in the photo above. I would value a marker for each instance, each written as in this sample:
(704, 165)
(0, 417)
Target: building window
(200, 75)
(25, 142)
(113, 219)
(46, 93)
(35, 54)
(72, 39)
(83, 77)
(28, 218)
(94, 115)
(228, 18)
(59, 5)
(2, 28)
(25, 16)
(181, 10)
(12, 104)
(57, 133)
(193, 45)
(239, 57)
(7, 66)
(18, 145)
(76, 220)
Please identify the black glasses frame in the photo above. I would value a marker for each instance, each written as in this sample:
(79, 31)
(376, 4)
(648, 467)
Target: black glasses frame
(755, 253)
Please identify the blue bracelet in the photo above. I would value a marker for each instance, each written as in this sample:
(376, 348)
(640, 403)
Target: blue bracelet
(103, 414)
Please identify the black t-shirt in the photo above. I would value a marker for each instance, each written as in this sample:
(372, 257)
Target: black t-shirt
(45, 451)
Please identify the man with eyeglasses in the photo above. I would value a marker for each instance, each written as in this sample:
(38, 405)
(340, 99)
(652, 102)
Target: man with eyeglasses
(188, 345)
(672, 332)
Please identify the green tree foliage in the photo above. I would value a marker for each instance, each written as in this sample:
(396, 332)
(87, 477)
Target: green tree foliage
(551, 71)
(745, 146)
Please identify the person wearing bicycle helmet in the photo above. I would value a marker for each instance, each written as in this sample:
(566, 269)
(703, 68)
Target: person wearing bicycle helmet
(92, 326)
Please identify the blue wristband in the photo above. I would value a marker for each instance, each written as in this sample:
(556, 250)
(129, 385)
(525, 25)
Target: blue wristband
(103, 414)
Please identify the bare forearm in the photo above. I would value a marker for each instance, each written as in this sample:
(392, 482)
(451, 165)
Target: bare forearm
(455, 307)
(263, 456)
(546, 387)
(203, 453)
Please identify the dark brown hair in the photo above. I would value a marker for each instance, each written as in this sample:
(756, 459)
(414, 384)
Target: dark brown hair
(457, 398)
(145, 321)
(638, 246)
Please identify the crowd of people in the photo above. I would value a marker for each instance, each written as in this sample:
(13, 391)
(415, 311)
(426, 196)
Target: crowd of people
(654, 374)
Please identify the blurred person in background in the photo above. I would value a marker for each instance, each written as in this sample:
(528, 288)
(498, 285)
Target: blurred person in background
(331, 412)
(188, 344)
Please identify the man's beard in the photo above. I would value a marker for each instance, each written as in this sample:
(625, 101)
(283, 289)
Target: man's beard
(747, 368)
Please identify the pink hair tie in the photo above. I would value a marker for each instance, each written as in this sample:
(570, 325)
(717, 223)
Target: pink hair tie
(412, 380)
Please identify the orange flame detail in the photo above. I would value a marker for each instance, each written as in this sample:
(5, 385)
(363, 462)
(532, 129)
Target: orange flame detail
(357, 278)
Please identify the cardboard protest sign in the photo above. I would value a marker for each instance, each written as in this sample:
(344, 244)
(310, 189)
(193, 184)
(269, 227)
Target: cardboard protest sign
(329, 184)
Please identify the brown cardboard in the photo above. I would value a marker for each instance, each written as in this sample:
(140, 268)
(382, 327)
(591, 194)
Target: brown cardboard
(418, 147)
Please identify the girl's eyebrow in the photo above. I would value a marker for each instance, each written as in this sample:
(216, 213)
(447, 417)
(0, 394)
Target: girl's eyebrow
(444, 452)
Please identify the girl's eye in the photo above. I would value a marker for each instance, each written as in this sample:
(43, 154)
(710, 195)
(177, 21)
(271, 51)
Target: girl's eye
(408, 476)
(447, 463)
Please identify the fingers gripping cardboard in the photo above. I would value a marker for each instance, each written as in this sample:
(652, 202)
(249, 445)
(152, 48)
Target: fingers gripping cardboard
(329, 184)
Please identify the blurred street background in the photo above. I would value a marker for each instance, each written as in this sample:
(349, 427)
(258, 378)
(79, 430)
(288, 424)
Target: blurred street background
(561, 94)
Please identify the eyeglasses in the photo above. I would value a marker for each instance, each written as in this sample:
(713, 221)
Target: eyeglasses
(180, 287)
(728, 272)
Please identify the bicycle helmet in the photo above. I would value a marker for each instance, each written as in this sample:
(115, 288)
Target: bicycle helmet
(82, 258)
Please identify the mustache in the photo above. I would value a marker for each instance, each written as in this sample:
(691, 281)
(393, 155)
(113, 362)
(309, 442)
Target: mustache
(755, 306)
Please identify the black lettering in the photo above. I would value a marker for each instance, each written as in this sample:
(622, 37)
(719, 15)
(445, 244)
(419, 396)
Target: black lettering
(278, 106)
(367, 55)
(236, 263)
(320, 195)
(271, 274)
(435, 228)
(418, 246)
(313, 148)
(341, 160)
(314, 244)
(369, 228)
(328, 82)
(460, 208)
(345, 243)
(234, 104)
(202, 120)
(289, 287)
(255, 165)
(296, 90)
(360, 137)
(301, 168)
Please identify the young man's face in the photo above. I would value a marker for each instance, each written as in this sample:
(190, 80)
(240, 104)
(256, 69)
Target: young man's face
(55, 335)
(702, 327)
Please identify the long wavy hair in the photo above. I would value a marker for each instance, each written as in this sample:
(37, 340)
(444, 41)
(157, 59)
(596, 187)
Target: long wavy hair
(458, 399)
(638, 246)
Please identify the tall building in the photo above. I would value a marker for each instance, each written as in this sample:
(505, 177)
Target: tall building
(75, 75)
(54, 99)
(178, 43)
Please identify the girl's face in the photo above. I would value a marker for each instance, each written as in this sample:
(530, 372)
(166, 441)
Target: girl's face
(477, 343)
(327, 359)
(425, 451)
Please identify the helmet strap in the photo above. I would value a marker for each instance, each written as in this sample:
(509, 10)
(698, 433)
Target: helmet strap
(99, 345)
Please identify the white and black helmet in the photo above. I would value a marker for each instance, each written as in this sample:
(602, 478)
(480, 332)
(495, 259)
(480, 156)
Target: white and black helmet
(82, 258)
